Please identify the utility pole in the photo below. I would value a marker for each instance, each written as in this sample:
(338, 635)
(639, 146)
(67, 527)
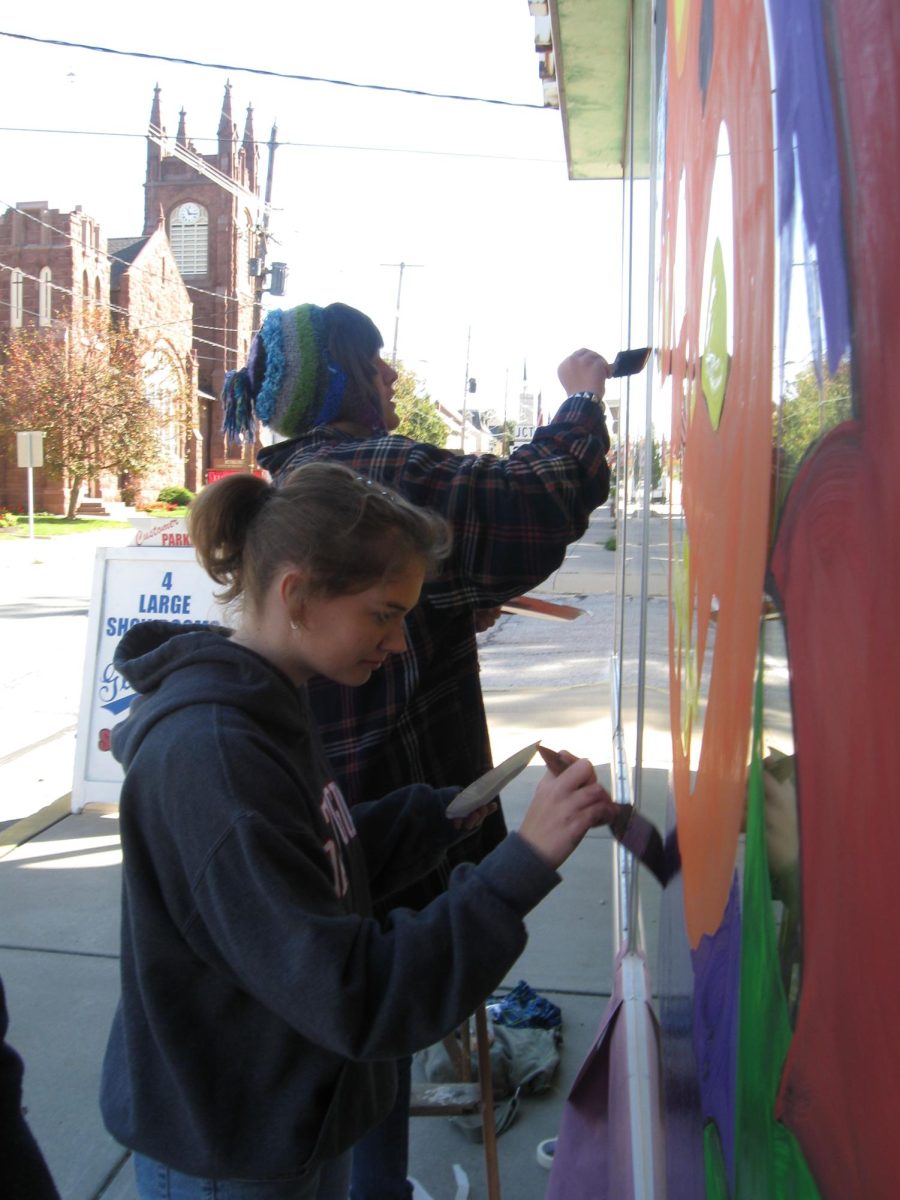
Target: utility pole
(505, 411)
(462, 432)
(263, 235)
(402, 266)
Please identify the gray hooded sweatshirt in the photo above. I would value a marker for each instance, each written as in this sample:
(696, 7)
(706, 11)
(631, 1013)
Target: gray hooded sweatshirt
(262, 1004)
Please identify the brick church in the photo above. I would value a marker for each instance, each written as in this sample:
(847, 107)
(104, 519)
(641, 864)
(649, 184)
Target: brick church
(191, 283)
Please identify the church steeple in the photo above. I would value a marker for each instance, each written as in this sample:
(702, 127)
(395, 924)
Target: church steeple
(154, 152)
(227, 134)
(251, 153)
(213, 230)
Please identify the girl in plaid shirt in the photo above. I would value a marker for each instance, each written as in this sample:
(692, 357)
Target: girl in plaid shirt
(316, 377)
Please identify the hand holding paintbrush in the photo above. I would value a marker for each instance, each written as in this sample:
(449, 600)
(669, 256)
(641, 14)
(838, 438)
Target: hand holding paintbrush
(627, 826)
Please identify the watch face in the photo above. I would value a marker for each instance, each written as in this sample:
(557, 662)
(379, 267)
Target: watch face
(190, 213)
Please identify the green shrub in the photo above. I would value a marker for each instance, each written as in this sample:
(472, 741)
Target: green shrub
(175, 495)
(610, 543)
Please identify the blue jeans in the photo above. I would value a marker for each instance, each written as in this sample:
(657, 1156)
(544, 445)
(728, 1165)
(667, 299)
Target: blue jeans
(155, 1181)
(381, 1157)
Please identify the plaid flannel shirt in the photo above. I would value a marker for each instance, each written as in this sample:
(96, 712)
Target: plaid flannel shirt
(421, 717)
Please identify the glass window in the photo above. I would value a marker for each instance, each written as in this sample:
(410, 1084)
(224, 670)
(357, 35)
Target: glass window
(16, 298)
(45, 304)
(189, 236)
(163, 390)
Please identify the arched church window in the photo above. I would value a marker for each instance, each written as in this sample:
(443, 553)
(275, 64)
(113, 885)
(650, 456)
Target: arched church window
(16, 298)
(189, 236)
(163, 389)
(45, 295)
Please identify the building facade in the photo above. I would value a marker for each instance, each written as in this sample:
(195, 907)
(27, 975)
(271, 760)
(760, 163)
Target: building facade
(190, 284)
(212, 212)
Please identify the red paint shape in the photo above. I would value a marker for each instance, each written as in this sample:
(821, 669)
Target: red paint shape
(837, 567)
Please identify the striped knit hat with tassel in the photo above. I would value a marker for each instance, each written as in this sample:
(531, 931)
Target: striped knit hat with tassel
(290, 382)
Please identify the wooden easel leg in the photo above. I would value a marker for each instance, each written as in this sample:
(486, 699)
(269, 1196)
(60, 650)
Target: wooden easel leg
(485, 1080)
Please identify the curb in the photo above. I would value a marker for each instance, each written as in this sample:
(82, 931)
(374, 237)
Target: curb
(19, 832)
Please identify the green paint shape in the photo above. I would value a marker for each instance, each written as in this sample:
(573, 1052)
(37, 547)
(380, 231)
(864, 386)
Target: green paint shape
(716, 359)
(683, 626)
(768, 1158)
(715, 1172)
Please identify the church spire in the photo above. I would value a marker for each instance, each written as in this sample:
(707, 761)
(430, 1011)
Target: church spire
(155, 109)
(154, 150)
(227, 134)
(251, 153)
(181, 136)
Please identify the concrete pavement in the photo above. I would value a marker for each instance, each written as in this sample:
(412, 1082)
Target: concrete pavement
(59, 893)
(45, 590)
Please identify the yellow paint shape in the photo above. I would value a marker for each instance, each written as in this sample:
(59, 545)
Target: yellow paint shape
(681, 11)
(716, 359)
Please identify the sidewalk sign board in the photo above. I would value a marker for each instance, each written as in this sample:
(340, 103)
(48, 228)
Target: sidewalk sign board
(131, 584)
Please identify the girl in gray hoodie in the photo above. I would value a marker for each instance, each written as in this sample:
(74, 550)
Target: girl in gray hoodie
(262, 1003)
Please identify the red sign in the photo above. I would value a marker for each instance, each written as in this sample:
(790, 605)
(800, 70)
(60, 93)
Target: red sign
(216, 473)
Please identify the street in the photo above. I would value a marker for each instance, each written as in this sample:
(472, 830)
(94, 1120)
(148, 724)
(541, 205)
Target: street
(44, 599)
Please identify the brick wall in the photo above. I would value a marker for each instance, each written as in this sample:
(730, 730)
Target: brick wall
(160, 309)
(156, 302)
(71, 244)
(34, 236)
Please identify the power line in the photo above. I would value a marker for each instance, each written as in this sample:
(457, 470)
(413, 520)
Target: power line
(145, 267)
(113, 133)
(191, 62)
(98, 304)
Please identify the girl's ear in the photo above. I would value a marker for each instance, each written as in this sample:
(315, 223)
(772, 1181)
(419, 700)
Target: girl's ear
(291, 592)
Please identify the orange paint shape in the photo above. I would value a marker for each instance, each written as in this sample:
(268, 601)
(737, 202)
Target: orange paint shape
(726, 469)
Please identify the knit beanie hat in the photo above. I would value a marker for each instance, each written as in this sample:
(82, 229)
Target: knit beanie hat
(290, 382)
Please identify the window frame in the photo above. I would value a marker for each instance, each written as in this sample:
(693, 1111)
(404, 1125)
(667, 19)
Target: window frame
(190, 240)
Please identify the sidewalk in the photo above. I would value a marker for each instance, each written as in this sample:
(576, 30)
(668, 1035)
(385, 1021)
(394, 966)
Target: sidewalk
(44, 591)
(60, 893)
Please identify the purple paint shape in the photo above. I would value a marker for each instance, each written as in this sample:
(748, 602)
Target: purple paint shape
(681, 1094)
(582, 1155)
(593, 1156)
(805, 123)
(707, 43)
(717, 982)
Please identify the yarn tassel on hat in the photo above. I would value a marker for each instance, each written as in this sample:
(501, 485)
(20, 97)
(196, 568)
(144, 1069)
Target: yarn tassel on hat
(239, 421)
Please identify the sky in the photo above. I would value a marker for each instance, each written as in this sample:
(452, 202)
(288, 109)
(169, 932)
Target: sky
(515, 264)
